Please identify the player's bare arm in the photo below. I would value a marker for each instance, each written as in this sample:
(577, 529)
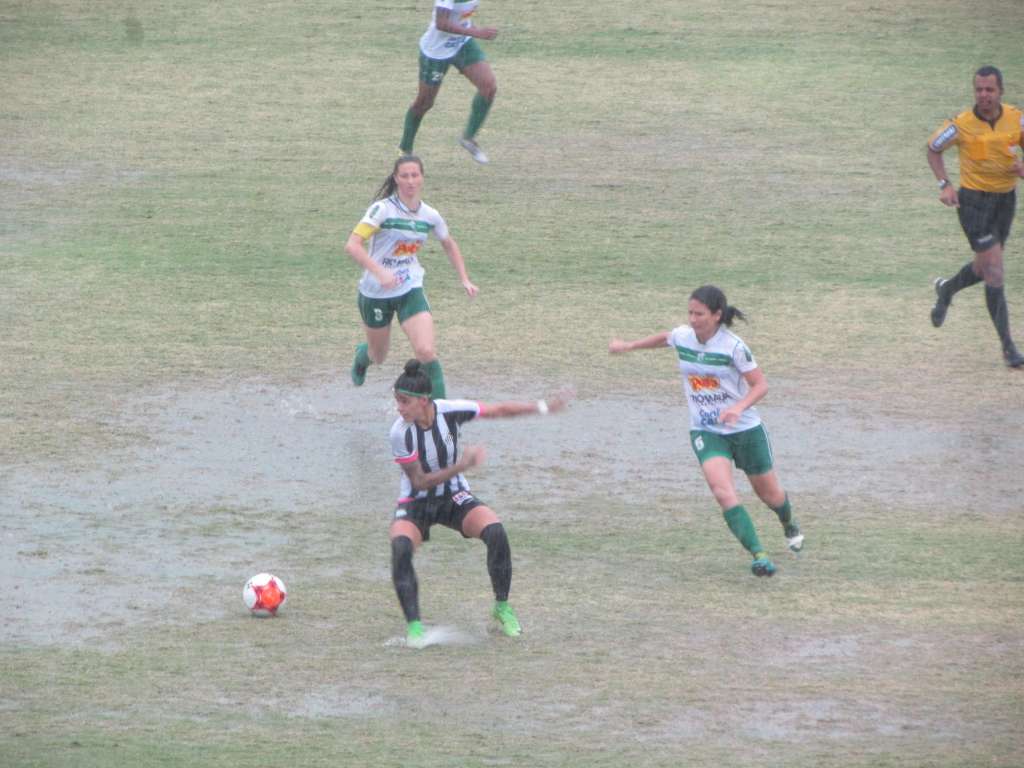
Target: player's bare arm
(472, 456)
(618, 346)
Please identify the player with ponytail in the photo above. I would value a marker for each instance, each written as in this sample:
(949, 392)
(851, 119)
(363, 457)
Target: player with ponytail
(722, 382)
(386, 244)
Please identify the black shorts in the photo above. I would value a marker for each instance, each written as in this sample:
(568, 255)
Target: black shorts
(986, 217)
(449, 512)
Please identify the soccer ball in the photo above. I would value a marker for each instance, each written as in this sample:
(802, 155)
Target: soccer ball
(264, 594)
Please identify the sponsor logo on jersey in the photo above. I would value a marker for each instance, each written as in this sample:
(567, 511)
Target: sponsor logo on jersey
(697, 383)
(407, 249)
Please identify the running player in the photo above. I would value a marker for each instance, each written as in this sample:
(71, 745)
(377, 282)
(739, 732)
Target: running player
(385, 244)
(451, 39)
(988, 138)
(722, 382)
(425, 443)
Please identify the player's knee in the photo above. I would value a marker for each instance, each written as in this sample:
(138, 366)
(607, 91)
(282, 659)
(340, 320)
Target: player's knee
(422, 105)
(489, 90)
(401, 550)
(425, 353)
(725, 496)
(494, 535)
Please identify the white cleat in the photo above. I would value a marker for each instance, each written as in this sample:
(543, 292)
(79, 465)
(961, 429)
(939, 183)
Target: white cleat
(478, 154)
(795, 543)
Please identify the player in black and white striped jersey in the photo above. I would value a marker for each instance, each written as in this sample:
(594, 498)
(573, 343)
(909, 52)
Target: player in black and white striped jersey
(434, 490)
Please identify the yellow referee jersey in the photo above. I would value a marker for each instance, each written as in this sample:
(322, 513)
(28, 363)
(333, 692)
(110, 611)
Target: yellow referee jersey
(987, 150)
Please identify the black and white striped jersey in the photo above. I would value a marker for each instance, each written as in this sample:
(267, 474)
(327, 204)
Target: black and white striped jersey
(434, 448)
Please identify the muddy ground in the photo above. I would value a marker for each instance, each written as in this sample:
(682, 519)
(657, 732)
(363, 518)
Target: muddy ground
(182, 503)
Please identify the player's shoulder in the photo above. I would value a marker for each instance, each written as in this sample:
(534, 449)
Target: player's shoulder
(731, 340)
(427, 212)
(455, 406)
(680, 333)
(400, 426)
(382, 208)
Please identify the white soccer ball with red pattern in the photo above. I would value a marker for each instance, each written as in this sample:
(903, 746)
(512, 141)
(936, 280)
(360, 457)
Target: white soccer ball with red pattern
(264, 594)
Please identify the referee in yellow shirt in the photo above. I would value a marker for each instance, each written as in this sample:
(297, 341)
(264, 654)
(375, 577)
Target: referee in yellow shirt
(987, 138)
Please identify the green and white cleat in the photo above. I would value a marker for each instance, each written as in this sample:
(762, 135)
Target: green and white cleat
(762, 566)
(506, 618)
(415, 637)
(358, 369)
(794, 539)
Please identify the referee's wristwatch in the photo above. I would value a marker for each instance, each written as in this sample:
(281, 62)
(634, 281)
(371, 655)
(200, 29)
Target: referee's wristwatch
(943, 183)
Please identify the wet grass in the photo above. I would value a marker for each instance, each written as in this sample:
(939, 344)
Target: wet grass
(642, 646)
(176, 182)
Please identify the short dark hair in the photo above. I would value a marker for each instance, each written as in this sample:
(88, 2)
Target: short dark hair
(414, 380)
(987, 71)
(713, 297)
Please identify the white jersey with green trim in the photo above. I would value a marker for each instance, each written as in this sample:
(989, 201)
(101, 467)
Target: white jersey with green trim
(395, 235)
(713, 377)
(436, 44)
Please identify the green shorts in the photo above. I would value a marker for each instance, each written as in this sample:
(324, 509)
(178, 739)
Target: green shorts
(750, 449)
(432, 71)
(377, 313)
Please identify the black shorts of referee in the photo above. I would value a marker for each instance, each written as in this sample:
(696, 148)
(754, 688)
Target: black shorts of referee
(986, 217)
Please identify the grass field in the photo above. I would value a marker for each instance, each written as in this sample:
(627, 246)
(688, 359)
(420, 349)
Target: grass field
(176, 184)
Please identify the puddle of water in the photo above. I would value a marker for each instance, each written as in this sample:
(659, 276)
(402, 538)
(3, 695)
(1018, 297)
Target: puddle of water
(180, 502)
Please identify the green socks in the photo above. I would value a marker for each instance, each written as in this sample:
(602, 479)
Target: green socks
(477, 114)
(412, 124)
(742, 528)
(436, 379)
(784, 512)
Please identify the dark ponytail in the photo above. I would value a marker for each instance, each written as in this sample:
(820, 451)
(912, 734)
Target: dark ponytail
(387, 189)
(713, 298)
(414, 380)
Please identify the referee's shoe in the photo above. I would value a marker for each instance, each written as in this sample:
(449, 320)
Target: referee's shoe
(1013, 358)
(942, 303)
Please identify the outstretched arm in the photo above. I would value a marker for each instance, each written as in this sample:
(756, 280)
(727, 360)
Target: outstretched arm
(551, 404)
(618, 346)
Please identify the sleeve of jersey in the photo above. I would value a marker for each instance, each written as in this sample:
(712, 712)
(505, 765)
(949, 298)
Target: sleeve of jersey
(440, 226)
(462, 410)
(371, 222)
(402, 445)
(743, 359)
(944, 138)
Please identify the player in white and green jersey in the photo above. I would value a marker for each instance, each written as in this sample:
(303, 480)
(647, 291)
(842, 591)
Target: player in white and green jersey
(722, 382)
(451, 40)
(386, 244)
